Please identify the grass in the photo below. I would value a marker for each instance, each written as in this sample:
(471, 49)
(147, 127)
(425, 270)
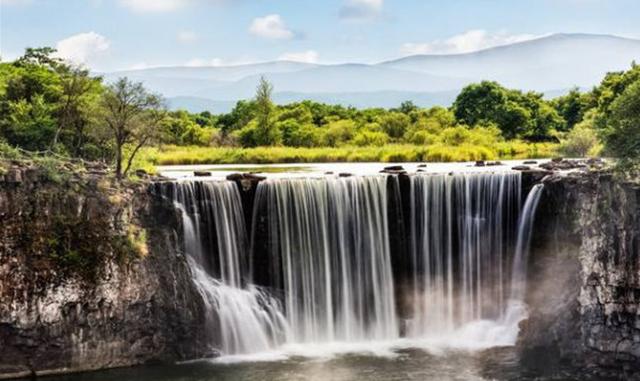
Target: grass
(177, 155)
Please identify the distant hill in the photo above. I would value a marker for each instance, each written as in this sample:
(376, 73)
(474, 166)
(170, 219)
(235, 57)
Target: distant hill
(546, 64)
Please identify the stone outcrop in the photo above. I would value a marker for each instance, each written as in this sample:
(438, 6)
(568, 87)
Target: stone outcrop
(584, 286)
(91, 276)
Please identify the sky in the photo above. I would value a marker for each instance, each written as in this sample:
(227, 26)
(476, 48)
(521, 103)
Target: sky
(110, 35)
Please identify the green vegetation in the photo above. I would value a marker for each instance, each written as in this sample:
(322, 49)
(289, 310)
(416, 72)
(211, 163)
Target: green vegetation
(52, 108)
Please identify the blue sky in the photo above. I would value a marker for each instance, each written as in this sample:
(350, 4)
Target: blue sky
(125, 34)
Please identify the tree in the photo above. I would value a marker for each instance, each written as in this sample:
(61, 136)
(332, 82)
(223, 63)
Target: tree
(571, 107)
(407, 107)
(582, 140)
(395, 124)
(622, 127)
(266, 131)
(79, 93)
(133, 116)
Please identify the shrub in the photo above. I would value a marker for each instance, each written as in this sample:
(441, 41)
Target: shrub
(370, 138)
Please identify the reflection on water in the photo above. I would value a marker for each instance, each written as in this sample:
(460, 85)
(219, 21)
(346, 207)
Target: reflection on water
(408, 364)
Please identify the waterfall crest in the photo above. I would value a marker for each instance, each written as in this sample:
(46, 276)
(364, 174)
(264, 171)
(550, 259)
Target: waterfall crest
(331, 239)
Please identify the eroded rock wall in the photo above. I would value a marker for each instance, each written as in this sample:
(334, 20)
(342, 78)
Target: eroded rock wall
(91, 276)
(584, 286)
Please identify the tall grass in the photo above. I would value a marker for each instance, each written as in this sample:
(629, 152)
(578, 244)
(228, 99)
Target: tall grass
(180, 155)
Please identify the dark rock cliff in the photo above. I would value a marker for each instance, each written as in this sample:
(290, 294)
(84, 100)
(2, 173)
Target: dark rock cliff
(584, 286)
(91, 276)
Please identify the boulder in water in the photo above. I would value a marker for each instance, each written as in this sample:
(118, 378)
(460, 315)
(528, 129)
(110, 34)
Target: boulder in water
(521, 168)
(201, 173)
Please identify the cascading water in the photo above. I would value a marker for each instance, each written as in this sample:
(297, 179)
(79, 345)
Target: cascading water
(246, 318)
(462, 232)
(525, 228)
(327, 253)
(331, 239)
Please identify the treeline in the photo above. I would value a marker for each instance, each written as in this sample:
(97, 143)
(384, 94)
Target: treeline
(47, 105)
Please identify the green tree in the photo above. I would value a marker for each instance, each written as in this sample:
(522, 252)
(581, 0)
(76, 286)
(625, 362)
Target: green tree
(395, 124)
(266, 131)
(582, 140)
(621, 134)
(80, 93)
(571, 107)
(133, 116)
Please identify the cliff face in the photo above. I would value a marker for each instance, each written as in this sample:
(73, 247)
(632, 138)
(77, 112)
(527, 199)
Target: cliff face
(584, 290)
(90, 277)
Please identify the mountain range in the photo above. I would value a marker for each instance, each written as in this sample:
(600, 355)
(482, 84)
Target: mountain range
(552, 64)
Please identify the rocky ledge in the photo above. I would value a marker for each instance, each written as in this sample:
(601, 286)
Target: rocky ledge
(584, 286)
(91, 275)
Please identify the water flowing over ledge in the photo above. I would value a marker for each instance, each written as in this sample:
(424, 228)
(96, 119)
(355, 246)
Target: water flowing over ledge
(331, 286)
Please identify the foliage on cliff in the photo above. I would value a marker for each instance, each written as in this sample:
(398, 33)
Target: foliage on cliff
(70, 219)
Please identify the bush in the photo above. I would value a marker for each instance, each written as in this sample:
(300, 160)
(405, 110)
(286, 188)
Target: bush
(455, 136)
(582, 141)
(370, 138)
(423, 138)
(338, 132)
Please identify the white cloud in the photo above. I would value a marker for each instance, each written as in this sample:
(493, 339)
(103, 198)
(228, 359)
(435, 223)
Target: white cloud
(82, 48)
(359, 10)
(271, 27)
(466, 42)
(309, 56)
(187, 36)
(154, 5)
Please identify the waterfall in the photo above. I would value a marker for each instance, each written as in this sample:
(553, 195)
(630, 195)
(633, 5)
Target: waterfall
(321, 251)
(331, 239)
(462, 231)
(246, 318)
(525, 228)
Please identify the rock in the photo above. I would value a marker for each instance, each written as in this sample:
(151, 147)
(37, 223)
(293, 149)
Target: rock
(141, 173)
(557, 159)
(245, 176)
(394, 171)
(201, 173)
(394, 168)
(13, 176)
(480, 163)
(494, 163)
(328, 173)
(521, 168)
(422, 165)
(247, 181)
(530, 162)
(345, 174)
(120, 308)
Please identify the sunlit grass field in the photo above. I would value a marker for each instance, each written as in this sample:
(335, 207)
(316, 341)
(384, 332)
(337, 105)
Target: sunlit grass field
(181, 155)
